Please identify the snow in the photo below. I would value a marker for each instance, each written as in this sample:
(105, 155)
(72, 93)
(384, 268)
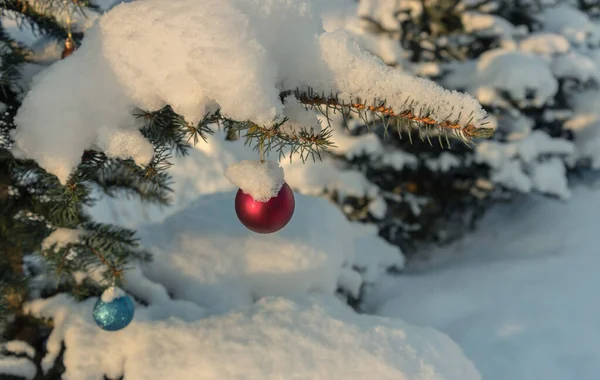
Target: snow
(382, 11)
(374, 256)
(567, 21)
(445, 162)
(125, 144)
(112, 294)
(575, 66)
(204, 255)
(539, 143)
(549, 177)
(19, 347)
(262, 180)
(399, 159)
(524, 166)
(308, 337)
(22, 367)
(352, 146)
(487, 25)
(512, 176)
(545, 44)
(61, 237)
(299, 118)
(585, 125)
(517, 295)
(198, 56)
(517, 73)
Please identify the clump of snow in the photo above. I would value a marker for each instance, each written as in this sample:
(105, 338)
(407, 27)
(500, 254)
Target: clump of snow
(299, 118)
(352, 146)
(378, 207)
(567, 21)
(539, 143)
(575, 66)
(262, 180)
(383, 45)
(61, 237)
(313, 178)
(445, 162)
(275, 338)
(525, 78)
(358, 74)
(523, 166)
(125, 144)
(112, 294)
(373, 255)
(152, 53)
(21, 367)
(351, 282)
(512, 176)
(549, 177)
(545, 44)
(354, 183)
(399, 159)
(488, 25)
(19, 347)
(382, 11)
(585, 124)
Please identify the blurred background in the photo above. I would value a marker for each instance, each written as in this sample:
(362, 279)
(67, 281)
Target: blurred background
(493, 243)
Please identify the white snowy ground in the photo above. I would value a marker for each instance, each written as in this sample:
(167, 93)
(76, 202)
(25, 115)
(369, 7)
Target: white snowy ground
(519, 296)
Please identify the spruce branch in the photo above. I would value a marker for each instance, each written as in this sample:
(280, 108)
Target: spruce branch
(102, 246)
(305, 143)
(411, 116)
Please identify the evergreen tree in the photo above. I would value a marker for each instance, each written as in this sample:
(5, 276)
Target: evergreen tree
(527, 63)
(47, 238)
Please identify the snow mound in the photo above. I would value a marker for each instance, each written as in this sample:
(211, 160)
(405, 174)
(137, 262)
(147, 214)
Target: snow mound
(205, 255)
(198, 56)
(526, 78)
(575, 66)
(523, 165)
(276, 338)
(568, 21)
(545, 44)
(262, 180)
(518, 297)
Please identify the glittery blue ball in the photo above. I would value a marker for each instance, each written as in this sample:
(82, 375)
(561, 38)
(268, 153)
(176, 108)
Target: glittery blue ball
(114, 315)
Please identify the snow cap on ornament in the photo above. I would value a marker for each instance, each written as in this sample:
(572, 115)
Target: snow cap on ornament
(114, 310)
(264, 203)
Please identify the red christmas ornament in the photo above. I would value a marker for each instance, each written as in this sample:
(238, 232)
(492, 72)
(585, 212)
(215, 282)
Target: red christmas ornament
(265, 217)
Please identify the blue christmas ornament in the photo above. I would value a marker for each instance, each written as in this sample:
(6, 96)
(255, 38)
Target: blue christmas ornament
(114, 310)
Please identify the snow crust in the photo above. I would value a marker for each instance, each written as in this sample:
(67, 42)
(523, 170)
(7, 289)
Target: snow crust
(305, 337)
(204, 255)
(518, 296)
(197, 56)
